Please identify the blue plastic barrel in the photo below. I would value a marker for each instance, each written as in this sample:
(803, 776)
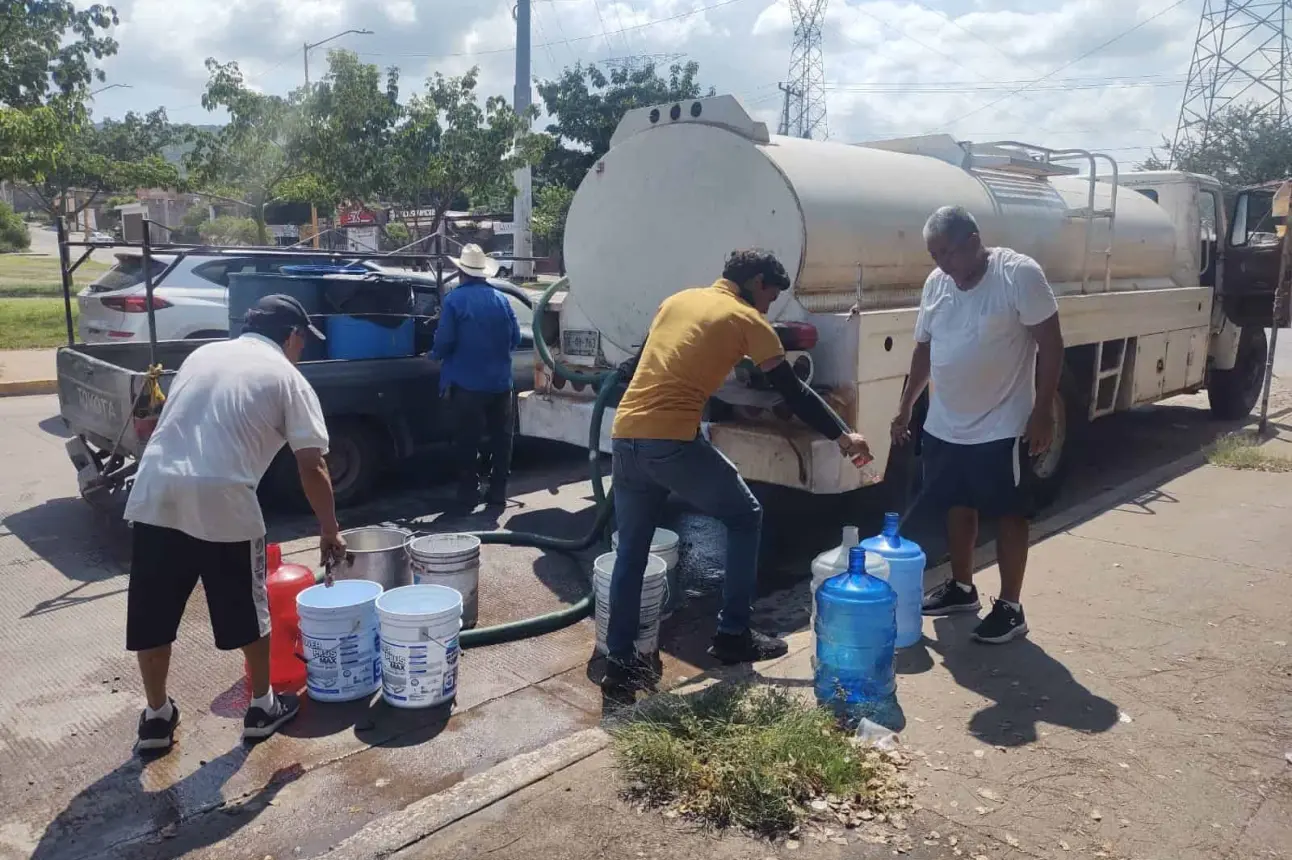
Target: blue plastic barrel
(350, 337)
(856, 628)
(906, 563)
(247, 288)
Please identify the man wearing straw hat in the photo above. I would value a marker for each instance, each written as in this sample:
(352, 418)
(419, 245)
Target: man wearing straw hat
(474, 341)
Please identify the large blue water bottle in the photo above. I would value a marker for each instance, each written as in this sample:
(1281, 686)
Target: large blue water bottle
(905, 574)
(856, 627)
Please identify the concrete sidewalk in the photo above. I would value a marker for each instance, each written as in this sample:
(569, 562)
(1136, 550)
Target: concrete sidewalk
(27, 371)
(1148, 714)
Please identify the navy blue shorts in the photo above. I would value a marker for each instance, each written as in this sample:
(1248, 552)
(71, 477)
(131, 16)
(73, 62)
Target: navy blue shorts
(993, 478)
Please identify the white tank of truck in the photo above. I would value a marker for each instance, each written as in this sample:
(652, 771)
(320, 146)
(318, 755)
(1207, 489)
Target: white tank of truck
(684, 185)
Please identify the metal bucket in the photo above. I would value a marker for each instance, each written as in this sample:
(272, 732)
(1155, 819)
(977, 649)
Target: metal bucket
(375, 553)
(452, 560)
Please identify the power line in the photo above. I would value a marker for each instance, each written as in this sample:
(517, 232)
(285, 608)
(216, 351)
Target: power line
(962, 28)
(988, 88)
(630, 28)
(1070, 63)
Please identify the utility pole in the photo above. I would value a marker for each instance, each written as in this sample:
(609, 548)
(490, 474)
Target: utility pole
(522, 204)
(314, 212)
(790, 91)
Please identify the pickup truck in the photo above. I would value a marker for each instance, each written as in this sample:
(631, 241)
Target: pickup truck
(378, 411)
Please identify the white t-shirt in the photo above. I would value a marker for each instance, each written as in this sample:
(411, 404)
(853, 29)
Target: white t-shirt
(230, 409)
(983, 380)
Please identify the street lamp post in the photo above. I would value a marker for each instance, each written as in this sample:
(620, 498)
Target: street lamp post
(314, 212)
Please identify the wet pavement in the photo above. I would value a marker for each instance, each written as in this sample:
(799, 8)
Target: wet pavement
(71, 788)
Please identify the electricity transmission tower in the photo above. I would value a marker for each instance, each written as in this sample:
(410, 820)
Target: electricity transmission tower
(804, 114)
(1241, 57)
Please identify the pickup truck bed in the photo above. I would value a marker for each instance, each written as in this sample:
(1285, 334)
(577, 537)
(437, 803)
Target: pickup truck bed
(377, 411)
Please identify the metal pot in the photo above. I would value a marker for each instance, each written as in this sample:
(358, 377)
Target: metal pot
(375, 553)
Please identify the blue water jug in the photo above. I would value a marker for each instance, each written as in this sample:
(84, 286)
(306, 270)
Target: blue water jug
(905, 574)
(856, 627)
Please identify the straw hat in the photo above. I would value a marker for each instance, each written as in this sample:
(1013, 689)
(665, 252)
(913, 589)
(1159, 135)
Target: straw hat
(475, 262)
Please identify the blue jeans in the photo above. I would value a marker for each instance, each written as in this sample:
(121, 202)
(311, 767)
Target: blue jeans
(645, 472)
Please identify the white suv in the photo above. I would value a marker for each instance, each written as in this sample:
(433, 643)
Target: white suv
(190, 298)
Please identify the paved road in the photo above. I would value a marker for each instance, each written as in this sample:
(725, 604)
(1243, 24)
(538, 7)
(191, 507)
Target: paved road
(72, 789)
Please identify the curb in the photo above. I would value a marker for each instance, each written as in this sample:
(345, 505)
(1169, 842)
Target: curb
(25, 387)
(424, 818)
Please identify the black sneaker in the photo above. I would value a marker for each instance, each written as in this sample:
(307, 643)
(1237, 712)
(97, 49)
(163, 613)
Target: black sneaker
(1002, 624)
(950, 599)
(157, 734)
(747, 647)
(495, 496)
(627, 677)
(259, 723)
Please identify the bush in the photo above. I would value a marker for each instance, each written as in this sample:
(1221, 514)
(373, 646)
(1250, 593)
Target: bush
(229, 230)
(750, 757)
(14, 235)
(397, 235)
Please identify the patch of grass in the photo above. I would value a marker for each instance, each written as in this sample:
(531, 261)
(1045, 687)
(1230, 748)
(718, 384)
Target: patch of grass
(750, 757)
(1243, 450)
(26, 276)
(33, 323)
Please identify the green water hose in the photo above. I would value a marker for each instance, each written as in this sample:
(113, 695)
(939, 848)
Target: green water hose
(605, 383)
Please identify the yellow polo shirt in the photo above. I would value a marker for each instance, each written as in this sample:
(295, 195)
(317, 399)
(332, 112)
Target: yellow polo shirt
(697, 337)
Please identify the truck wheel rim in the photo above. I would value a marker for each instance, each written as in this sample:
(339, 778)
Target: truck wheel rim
(1046, 465)
(341, 463)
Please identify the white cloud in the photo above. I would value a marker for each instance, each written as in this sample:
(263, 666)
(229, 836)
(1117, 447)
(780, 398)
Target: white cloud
(893, 66)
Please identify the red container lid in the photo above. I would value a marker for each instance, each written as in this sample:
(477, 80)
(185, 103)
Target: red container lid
(273, 556)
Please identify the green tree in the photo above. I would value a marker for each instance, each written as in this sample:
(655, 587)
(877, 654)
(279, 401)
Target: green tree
(257, 157)
(48, 46)
(1246, 147)
(587, 103)
(448, 145)
(349, 120)
(14, 235)
(87, 162)
(551, 206)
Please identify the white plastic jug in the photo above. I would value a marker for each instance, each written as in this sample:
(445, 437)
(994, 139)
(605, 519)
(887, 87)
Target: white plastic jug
(832, 562)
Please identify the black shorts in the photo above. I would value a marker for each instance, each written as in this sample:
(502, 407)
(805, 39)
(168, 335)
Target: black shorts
(167, 564)
(993, 478)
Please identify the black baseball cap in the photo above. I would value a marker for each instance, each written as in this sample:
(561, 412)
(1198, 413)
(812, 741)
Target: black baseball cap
(285, 311)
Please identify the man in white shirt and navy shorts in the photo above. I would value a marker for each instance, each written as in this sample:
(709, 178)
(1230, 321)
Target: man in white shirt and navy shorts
(231, 408)
(987, 336)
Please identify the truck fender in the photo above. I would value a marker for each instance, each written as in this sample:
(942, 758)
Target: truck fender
(1222, 353)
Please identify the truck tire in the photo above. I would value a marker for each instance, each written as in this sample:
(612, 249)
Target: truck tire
(356, 457)
(1050, 469)
(1233, 393)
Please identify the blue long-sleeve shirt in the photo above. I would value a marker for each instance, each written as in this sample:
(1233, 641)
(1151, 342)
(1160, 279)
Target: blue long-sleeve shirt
(475, 338)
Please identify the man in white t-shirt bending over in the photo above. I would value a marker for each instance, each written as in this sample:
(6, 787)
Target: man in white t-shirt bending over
(231, 408)
(988, 335)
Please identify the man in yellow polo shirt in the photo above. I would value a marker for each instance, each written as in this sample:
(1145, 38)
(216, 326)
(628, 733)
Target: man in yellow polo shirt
(697, 337)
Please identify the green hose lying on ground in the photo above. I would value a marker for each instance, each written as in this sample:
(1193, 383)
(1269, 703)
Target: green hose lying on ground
(605, 383)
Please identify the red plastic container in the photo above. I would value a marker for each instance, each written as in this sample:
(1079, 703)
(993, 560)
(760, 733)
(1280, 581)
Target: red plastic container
(284, 582)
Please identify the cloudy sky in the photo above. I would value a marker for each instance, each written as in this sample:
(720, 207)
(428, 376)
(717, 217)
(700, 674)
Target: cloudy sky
(1104, 74)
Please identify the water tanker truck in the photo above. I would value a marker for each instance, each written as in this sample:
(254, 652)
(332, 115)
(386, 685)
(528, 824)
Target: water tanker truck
(1135, 260)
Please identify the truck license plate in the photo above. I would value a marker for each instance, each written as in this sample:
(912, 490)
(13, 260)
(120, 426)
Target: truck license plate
(580, 342)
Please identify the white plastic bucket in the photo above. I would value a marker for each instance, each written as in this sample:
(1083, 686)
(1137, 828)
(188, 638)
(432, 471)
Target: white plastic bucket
(654, 593)
(452, 560)
(664, 544)
(419, 645)
(339, 640)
